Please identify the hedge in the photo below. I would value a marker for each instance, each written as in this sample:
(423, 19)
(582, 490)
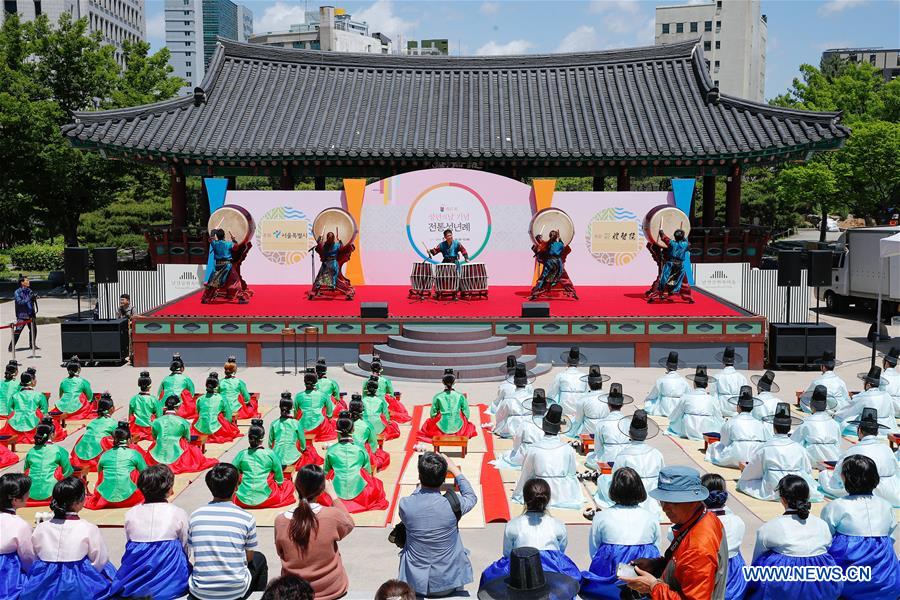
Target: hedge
(37, 257)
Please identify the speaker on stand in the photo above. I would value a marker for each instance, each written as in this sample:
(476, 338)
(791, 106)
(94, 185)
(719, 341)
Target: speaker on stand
(789, 270)
(819, 273)
(75, 265)
(106, 269)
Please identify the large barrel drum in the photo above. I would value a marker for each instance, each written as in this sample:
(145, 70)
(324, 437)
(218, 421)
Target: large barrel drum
(665, 217)
(337, 221)
(549, 219)
(235, 221)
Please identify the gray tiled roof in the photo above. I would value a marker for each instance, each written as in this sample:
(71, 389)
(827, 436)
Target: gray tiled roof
(274, 103)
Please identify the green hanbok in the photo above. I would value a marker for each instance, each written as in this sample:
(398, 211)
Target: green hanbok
(116, 467)
(364, 433)
(449, 416)
(7, 389)
(262, 481)
(25, 404)
(144, 408)
(88, 447)
(41, 463)
(209, 407)
(231, 388)
(70, 391)
(346, 460)
(168, 432)
(374, 408)
(329, 387)
(173, 385)
(385, 386)
(285, 434)
(310, 405)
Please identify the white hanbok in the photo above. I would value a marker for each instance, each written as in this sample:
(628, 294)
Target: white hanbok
(728, 383)
(860, 515)
(792, 536)
(608, 441)
(767, 408)
(775, 459)
(590, 409)
(838, 396)
(820, 434)
(666, 393)
(695, 414)
(535, 530)
(741, 436)
(16, 549)
(553, 460)
(871, 398)
(879, 451)
(624, 526)
(504, 390)
(647, 461)
(890, 384)
(734, 530)
(528, 435)
(513, 412)
(567, 388)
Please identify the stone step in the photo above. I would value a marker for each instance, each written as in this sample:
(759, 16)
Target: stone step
(465, 373)
(437, 356)
(447, 346)
(447, 333)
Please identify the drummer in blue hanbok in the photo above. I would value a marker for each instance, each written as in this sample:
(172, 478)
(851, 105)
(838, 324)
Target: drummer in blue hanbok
(877, 449)
(819, 433)
(513, 412)
(862, 526)
(332, 253)
(668, 389)
(552, 459)
(646, 460)
(222, 277)
(837, 389)
(16, 549)
(729, 381)
(569, 385)
(741, 435)
(766, 388)
(734, 527)
(872, 397)
(675, 276)
(697, 412)
(591, 408)
(609, 440)
(890, 377)
(506, 387)
(529, 434)
(551, 255)
(450, 249)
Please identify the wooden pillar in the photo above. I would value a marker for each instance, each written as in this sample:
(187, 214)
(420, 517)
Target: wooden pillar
(598, 184)
(709, 200)
(692, 213)
(286, 181)
(178, 189)
(733, 197)
(204, 202)
(623, 181)
(232, 182)
(320, 183)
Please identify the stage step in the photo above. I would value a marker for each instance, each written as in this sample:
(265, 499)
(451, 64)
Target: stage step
(438, 356)
(400, 342)
(465, 373)
(447, 333)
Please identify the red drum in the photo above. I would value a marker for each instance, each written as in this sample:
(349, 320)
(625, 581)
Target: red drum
(421, 279)
(473, 279)
(446, 279)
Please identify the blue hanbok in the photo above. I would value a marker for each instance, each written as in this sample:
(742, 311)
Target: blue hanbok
(735, 585)
(329, 270)
(677, 265)
(16, 554)
(221, 251)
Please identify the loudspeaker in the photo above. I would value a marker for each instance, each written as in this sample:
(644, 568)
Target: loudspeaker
(95, 341)
(799, 344)
(373, 310)
(75, 264)
(106, 265)
(790, 263)
(819, 273)
(535, 309)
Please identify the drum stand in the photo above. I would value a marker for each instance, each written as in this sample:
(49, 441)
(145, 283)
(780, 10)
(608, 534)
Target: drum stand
(285, 333)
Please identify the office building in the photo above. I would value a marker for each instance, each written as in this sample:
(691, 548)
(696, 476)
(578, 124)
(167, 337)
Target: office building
(330, 29)
(428, 47)
(733, 34)
(886, 61)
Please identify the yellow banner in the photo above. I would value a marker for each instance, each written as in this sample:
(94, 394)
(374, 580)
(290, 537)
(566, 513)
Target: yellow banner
(614, 237)
(284, 235)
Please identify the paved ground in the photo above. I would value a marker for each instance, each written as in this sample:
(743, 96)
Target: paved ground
(368, 557)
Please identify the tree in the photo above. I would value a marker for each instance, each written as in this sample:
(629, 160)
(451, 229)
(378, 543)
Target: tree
(869, 166)
(146, 78)
(809, 187)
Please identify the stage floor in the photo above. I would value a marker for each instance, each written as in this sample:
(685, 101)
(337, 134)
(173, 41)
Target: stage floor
(502, 302)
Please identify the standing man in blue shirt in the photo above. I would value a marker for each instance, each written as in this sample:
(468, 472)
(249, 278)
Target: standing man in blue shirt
(26, 310)
(450, 249)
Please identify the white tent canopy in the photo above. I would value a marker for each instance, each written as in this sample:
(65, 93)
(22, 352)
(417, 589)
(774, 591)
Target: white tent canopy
(890, 246)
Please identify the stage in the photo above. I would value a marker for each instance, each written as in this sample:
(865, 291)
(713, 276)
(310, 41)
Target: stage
(614, 325)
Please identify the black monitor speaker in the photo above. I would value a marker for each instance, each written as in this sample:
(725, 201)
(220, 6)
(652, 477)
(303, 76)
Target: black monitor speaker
(535, 309)
(106, 267)
(819, 274)
(373, 310)
(790, 264)
(75, 264)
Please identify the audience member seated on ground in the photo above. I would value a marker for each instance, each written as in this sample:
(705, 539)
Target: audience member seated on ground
(328, 386)
(16, 550)
(890, 378)
(877, 449)
(155, 564)
(776, 458)
(214, 416)
(619, 534)
(592, 407)
(569, 385)
(553, 460)
(766, 388)
(287, 439)
(348, 465)
(449, 413)
(528, 579)
(263, 484)
(513, 412)
(97, 437)
(507, 386)
(668, 389)
(365, 437)
(608, 438)
(819, 433)
(394, 589)
(307, 537)
(695, 562)
(377, 413)
(433, 560)
(288, 587)
(177, 384)
(235, 393)
(795, 539)
(8, 387)
(75, 396)
(535, 529)
(72, 560)
(862, 526)
(143, 409)
(697, 412)
(728, 382)
(45, 463)
(741, 435)
(28, 407)
(399, 414)
(314, 409)
(224, 535)
(117, 471)
(734, 533)
(838, 395)
(871, 397)
(172, 443)
(530, 433)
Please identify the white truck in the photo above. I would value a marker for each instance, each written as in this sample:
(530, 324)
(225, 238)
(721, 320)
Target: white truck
(857, 271)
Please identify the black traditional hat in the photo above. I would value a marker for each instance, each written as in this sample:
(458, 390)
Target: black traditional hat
(782, 416)
(371, 382)
(321, 366)
(765, 382)
(176, 357)
(519, 372)
(616, 397)
(449, 377)
(639, 426)
(868, 419)
(828, 360)
(745, 398)
(528, 581)
(538, 403)
(553, 421)
(511, 363)
(728, 356)
(873, 377)
(818, 400)
(595, 376)
(701, 376)
(573, 357)
(671, 361)
(892, 356)
(286, 395)
(13, 363)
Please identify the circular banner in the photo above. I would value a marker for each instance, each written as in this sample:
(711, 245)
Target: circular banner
(614, 236)
(450, 206)
(284, 235)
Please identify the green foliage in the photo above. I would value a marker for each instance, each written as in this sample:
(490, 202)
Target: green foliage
(122, 223)
(37, 257)
(146, 78)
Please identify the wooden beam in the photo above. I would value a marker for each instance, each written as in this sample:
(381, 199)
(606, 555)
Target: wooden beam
(623, 180)
(178, 190)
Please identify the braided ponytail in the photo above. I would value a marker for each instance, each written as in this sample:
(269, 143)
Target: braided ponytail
(795, 493)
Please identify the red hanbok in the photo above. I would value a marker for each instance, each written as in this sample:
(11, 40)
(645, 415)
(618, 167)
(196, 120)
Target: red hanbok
(87, 411)
(97, 502)
(190, 461)
(139, 433)
(7, 457)
(371, 498)
(188, 407)
(27, 437)
(430, 429)
(397, 410)
(249, 409)
(282, 495)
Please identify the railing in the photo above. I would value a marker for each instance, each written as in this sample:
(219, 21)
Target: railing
(183, 246)
(729, 244)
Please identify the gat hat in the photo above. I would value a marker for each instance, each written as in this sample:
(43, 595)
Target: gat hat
(782, 416)
(286, 395)
(511, 363)
(538, 403)
(745, 398)
(527, 580)
(671, 361)
(765, 382)
(828, 360)
(639, 426)
(616, 397)
(873, 377)
(520, 373)
(553, 422)
(891, 357)
(677, 484)
(728, 356)
(573, 357)
(868, 419)
(594, 376)
(819, 400)
(701, 376)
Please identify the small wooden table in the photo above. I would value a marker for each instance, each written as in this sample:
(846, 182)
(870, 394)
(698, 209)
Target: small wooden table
(9, 441)
(200, 441)
(587, 442)
(894, 440)
(454, 441)
(710, 439)
(605, 468)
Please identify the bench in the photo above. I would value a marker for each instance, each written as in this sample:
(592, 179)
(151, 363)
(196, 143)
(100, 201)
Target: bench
(200, 441)
(605, 468)
(587, 442)
(9, 441)
(894, 440)
(710, 438)
(451, 441)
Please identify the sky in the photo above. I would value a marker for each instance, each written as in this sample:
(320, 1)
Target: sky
(798, 31)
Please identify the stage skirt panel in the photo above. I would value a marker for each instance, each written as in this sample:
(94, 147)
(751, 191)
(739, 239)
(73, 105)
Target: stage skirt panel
(188, 407)
(12, 577)
(780, 590)
(77, 579)
(227, 432)
(190, 461)
(875, 552)
(397, 410)
(87, 411)
(279, 495)
(158, 570)
(553, 561)
(600, 580)
(735, 585)
(138, 432)
(249, 409)
(370, 498)
(7, 457)
(430, 429)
